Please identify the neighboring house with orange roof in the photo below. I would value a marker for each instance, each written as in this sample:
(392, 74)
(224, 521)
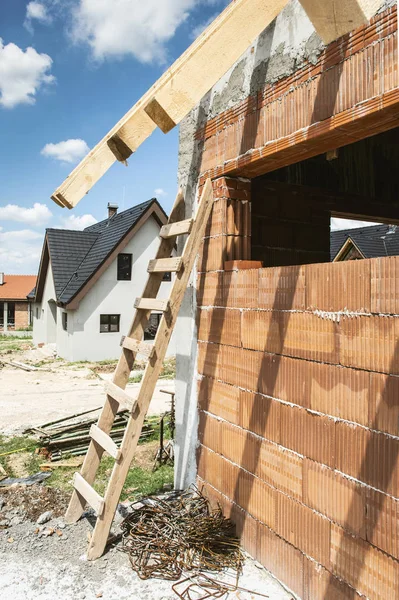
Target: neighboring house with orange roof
(16, 301)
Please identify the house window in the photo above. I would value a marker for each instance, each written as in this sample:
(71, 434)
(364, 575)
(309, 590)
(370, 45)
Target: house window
(65, 321)
(11, 314)
(167, 276)
(109, 323)
(124, 267)
(152, 327)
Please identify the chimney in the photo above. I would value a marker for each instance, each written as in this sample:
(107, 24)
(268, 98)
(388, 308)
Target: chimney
(1, 278)
(112, 209)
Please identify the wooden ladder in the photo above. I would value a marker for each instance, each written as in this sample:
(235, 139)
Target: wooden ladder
(131, 345)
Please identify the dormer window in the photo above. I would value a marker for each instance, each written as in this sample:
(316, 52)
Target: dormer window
(124, 267)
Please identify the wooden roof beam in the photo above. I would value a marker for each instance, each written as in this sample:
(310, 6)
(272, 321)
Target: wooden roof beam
(333, 18)
(176, 93)
(192, 75)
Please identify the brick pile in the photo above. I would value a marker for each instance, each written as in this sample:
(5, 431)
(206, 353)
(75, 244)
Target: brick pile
(299, 419)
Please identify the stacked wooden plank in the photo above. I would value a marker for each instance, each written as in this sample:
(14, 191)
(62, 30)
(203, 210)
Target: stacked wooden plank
(70, 436)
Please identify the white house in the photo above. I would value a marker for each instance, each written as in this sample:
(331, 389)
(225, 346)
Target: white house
(88, 281)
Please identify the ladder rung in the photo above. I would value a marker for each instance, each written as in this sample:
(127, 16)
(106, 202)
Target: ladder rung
(151, 304)
(173, 229)
(107, 443)
(120, 396)
(137, 346)
(165, 265)
(89, 494)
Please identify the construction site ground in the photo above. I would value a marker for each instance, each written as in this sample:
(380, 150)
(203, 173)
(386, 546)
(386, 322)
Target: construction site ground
(59, 388)
(44, 562)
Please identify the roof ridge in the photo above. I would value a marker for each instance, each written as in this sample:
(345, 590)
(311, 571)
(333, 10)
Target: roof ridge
(119, 214)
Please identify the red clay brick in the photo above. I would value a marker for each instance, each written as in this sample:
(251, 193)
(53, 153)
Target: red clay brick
(282, 288)
(301, 335)
(280, 468)
(320, 584)
(209, 466)
(338, 498)
(282, 559)
(247, 283)
(384, 405)
(303, 528)
(210, 289)
(240, 446)
(364, 567)
(210, 360)
(241, 367)
(219, 325)
(338, 391)
(383, 522)
(212, 254)
(318, 443)
(370, 342)
(284, 378)
(375, 461)
(220, 399)
(255, 497)
(209, 432)
(260, 415)
(385, 285)
(339, 286)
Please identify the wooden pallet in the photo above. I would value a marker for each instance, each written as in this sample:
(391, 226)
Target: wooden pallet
(131, 345)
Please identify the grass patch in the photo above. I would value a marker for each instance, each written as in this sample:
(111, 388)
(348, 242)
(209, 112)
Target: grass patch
(12, 343)
(136, 378)
(9, 446)
(168, 369)
(14, 337)
(141, 479)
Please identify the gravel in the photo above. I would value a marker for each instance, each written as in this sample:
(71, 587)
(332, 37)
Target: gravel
(45, 562)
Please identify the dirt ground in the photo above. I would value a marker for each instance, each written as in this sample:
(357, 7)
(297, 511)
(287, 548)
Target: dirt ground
(58, 389)
(45, 562)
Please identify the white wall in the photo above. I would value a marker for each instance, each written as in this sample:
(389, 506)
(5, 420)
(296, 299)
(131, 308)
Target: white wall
(41, 322)
(83, 340)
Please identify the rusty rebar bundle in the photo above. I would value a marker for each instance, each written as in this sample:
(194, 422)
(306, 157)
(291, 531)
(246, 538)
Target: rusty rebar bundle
(165, 537)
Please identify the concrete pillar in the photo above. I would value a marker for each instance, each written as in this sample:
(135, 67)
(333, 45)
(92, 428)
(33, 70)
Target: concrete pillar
(5, 316)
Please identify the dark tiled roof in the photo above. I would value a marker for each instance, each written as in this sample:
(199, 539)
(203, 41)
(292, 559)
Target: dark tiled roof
(372, 241)
(67, 250)
(76, 255)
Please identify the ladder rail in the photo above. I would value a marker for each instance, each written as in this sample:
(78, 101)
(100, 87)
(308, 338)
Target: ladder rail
(125, 364)
(150, 376)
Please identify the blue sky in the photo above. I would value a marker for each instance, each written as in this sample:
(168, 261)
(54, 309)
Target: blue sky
(69, 69)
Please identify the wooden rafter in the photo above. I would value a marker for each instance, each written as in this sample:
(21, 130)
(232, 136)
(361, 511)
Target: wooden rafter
(176, 93)
(183, 85)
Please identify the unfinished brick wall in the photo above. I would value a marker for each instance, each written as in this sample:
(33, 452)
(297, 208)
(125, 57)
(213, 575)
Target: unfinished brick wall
(286, 226)
(299, 420)
(228, 233)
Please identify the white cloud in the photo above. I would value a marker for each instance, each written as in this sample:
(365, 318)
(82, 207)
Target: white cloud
(36, 216)
(75, 222)
(22, 74)
(36, 11)
(348, 224)
(141, 29)
(20, 251)
(160, 192)
(68, 151)
(198, 29)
